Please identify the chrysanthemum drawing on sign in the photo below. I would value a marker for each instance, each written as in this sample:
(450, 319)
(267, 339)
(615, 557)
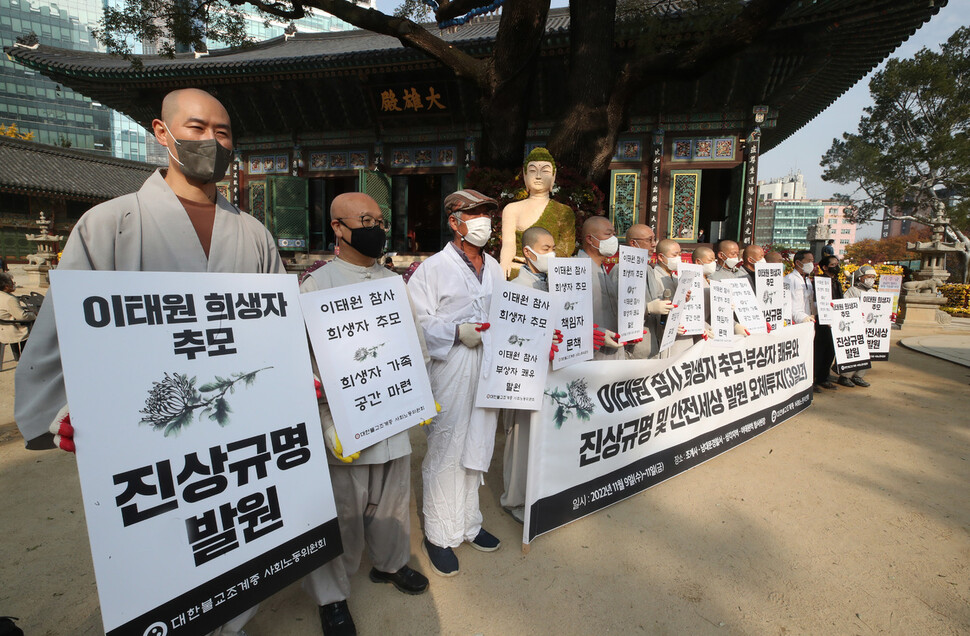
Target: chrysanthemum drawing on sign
(575, 397)
(171, 403)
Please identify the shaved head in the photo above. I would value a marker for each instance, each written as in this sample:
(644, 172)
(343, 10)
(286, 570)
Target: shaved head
(774, 257)
(666, 247)
(176, 102)
(726, 249)
(534, 234)
(353, 205)
(595, 225)
(753, 253)
(703, 254)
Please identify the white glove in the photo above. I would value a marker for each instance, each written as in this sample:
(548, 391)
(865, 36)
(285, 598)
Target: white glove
(739, 330)
(62, 430)
(609, 339)
(659, 307)
(333, 443)
(808, 319)
(470, 333)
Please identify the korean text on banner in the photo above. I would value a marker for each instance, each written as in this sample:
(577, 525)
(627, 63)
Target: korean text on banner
(196, 451)
(692, 320)
(570, 283)
(849, 336)
(769, 281)
(878, 308)
(370, 361)
(631, 309)
(521, 328)
(823, 300)
(608, 430)
(747, 307)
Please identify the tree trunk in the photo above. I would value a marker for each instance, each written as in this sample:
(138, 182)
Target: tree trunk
(507, 90)
(585, 136)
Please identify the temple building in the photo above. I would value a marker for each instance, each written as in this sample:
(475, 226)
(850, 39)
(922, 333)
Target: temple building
(315, 115)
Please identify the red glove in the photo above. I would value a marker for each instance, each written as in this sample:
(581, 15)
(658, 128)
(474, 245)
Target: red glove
(638, 340)
(768, 324)
(599, 338)
(483, 326)
(556, 339)
(318, 387)
(63, 431)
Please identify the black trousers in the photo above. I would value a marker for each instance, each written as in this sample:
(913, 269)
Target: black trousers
(824, 353)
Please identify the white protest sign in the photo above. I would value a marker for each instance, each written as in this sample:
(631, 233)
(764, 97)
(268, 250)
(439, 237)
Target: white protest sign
(198, 442)
(849, 336)
(521, 327)
(878, 308)
(747, 307)
(786, 307)
(692, 318)
(674, 317)
(608, 430)
(722, 315)
(892, 284)
(570, 283)
(823, 300)
(370, 360)
(631, 307)
(771, 292)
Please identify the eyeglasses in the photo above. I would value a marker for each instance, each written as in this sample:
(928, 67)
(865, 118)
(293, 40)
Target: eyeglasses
(367, 221)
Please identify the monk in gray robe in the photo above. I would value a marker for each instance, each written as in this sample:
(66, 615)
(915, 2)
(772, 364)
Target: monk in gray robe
(176, 222)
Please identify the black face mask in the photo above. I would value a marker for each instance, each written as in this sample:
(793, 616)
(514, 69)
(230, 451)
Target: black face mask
(369, 241)
(204, 160)
(834, 269)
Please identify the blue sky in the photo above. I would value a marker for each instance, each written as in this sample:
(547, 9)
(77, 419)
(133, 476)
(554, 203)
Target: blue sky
(803, 150)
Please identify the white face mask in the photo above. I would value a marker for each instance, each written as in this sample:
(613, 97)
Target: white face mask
(760, 260)
(710, 268)
(808, 268)
(479, 230)
(731, 263)
(673, 263)
(868, 282)
(608, 247)
(541, 261)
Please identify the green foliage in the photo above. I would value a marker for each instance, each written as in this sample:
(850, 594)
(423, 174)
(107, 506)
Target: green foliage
(415, 10)
(175, 26)
(913, 144)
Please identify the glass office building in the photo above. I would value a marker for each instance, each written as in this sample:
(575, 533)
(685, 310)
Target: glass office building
(59, 116)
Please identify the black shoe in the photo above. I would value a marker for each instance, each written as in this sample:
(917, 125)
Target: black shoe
(844, 381)
(860, 382)
(817, 388)
(485, 541)
(443, 560)
(336, 620)
(828, 384)
(405, 580)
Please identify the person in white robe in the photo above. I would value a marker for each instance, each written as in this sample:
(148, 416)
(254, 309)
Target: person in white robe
(451, 292)
(372, 488)
(176, 222)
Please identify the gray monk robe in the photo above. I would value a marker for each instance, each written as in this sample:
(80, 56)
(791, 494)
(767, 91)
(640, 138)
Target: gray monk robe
(373, 493)
(148, 231)
(605, 294)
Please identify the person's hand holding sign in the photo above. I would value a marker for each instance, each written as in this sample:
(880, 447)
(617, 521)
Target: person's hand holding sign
(437, 408)
(62, 430)
(333, 443)
(470, 333)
